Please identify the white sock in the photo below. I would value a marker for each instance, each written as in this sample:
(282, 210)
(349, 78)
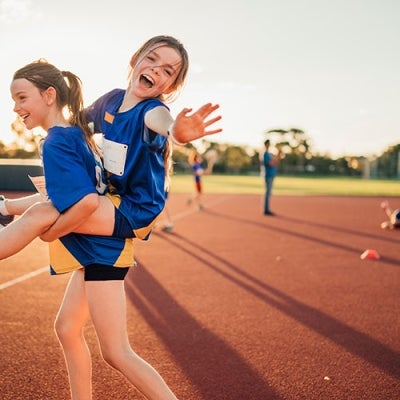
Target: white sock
(3, 208)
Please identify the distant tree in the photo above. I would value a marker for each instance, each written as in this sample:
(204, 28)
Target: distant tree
(25, 144)
(389, 163)
(235, 159)
(180, 158)
(321, 165)
(26, 139)
(295, 146)
(348, 166)
(255, 161)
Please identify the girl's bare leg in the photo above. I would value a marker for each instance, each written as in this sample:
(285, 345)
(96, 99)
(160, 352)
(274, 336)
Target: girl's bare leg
(101, 221)
(107, 304)
(20, 205)
(98, 222)
(36, 219)
(69, 326)
(43, 220)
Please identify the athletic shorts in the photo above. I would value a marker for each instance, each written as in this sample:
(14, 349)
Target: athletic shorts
(99, 272)
(122, 228)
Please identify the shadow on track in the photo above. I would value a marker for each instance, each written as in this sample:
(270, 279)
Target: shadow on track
(343, 335)
(214, 368)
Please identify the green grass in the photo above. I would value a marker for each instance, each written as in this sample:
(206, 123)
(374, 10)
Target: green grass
(289, 185)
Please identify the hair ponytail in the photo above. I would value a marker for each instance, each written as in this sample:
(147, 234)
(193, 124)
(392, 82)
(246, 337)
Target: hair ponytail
(76, 109)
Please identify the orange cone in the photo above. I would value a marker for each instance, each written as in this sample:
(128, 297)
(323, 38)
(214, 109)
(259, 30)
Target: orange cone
(370, 254)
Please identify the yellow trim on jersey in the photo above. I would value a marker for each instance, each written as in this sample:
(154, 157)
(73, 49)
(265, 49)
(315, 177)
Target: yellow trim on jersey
(140, 233)
(126, 258)
(61, 260)
(115, 199)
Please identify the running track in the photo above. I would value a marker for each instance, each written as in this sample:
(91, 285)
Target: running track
(232, 305)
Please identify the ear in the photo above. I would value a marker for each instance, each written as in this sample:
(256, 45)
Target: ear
(50, 95)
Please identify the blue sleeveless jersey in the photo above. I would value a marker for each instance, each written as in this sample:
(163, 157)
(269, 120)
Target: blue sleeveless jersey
(139, 186)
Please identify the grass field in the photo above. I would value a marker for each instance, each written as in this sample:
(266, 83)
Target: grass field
(289, 185)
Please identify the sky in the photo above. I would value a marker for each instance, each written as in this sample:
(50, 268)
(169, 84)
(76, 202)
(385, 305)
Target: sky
(328, 67)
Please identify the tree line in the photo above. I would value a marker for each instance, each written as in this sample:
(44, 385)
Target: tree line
(298, 157)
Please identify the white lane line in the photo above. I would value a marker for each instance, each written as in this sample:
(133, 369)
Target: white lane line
(23, 277)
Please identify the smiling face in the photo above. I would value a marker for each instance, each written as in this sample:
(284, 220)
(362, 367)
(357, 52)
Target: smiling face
(30, 104)
(155, 72)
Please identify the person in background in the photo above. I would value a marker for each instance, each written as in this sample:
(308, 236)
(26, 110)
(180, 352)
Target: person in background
(393, 215)
(168, 224)
(270, 163)
(197, 168)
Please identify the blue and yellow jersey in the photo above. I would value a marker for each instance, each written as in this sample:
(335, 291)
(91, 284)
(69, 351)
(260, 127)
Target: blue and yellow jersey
(73, 171)
(136, 184)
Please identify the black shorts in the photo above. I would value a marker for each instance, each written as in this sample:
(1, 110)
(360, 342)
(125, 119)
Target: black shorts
(99, 272)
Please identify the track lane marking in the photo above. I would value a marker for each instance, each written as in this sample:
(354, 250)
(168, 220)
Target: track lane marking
(22, 278)
(39, 271)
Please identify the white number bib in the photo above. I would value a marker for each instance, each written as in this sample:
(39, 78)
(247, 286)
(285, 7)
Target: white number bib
(114, 156)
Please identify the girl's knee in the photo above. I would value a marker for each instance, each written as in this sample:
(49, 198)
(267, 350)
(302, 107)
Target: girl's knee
(67, 331)
(43, 214)
(61, 329)
(110, 358)
(116, 357)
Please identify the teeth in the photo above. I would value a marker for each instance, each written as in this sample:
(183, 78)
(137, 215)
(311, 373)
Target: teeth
(24, 117)
(149, 78)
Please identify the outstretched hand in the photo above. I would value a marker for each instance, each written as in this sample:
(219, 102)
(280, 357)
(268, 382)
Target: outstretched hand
(191, 127)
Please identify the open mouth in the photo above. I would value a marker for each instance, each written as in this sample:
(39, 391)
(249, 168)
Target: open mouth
(24, 117)
(146, 80)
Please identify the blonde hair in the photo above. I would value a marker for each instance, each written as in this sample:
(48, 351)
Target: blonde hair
(168, 164)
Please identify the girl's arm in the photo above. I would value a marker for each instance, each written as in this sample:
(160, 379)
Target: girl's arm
(186, 127)
(275, 159)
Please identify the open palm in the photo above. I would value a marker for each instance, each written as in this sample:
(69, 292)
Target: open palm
(194, 126)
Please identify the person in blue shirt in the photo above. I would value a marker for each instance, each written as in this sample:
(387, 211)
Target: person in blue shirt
(270, 163)
(137, 129)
